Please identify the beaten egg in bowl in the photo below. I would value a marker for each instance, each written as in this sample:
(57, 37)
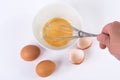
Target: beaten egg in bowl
(56, 28)
(56, 14)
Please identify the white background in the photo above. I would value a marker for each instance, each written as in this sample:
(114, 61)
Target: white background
(16, 17)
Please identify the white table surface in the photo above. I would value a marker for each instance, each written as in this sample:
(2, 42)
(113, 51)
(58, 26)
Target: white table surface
(16, 17)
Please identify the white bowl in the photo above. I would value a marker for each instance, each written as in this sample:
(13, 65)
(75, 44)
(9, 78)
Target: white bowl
(50, 11)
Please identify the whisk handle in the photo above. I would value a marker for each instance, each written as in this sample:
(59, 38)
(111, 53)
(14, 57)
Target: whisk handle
(85, 34)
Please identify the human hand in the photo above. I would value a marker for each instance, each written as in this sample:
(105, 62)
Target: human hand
(110, 38)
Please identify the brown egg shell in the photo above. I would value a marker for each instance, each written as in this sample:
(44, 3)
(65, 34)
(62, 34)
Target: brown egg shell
(30, 52)
(87, 40)
(79, 62)
(76, 56)
(45, 68)
(86, 47)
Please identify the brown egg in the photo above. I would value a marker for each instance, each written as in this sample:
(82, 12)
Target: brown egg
(84, 43)
(30, 52)
(76, 56)
(45, 68)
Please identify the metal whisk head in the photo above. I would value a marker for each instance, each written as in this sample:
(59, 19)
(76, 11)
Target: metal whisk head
(65, 33)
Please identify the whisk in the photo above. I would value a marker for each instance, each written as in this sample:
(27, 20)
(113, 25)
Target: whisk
(77, 33)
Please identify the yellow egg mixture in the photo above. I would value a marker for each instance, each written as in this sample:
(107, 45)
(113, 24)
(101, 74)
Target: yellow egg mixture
(57, 27)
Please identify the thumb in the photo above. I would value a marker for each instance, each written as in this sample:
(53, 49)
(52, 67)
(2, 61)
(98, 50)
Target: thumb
(104, 39)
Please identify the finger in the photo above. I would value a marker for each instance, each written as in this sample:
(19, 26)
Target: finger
(107, 28)
(102, 46)
(103, 39)
(104, 31)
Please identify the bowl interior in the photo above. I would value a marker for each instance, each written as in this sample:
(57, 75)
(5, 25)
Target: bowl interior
(50, 11)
